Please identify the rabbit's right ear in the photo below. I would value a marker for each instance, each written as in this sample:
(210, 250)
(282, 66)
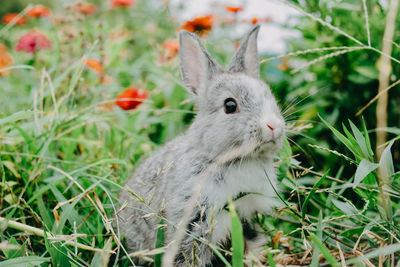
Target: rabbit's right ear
(197, 66)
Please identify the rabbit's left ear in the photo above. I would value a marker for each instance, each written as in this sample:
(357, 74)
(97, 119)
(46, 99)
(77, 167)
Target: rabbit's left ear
(246, 57)
(197, 66)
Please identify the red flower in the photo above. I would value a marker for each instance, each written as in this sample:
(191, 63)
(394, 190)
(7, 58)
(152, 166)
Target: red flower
(38, 11)
(199, 25)
(234, 9)
(131, 98)
(122, 3)
(85, 8)
(5, 59)
(95, 65)
(33, 41)
(7, 18)
(171, 47)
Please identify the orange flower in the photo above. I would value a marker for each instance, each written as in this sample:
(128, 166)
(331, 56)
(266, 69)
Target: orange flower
(38, 11)
(85, 8)
(7, 18)
(122, 3)
(131, 98)
(95, 65)
(199, 25)
(5, 59)
(234, 9)
(106, 80)
(254, 20)
(172, 47)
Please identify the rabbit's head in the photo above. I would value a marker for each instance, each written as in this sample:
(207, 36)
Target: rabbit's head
(236, 109)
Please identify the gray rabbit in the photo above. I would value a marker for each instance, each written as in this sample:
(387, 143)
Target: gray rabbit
(227, 152)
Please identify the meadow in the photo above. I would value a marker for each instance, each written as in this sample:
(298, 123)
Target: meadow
(88, 90)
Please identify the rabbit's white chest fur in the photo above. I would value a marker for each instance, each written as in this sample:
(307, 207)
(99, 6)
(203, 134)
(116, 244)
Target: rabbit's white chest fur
(249, 177)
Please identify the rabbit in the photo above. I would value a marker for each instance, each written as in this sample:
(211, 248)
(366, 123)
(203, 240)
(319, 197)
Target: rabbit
(229, 147)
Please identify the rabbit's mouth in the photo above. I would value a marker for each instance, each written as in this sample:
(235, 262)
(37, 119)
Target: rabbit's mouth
(269, 148)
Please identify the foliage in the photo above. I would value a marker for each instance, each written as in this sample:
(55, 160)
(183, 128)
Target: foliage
(66, 147)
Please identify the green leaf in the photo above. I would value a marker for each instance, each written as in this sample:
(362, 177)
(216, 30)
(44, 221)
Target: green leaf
(360, 140)
(343, 206)
(159, 243)
(312, 192)
(20, 115)
(270, 259)
(27, 261)
(366, 136)
(286, 151)
(340, 136)
(355, 146)
(324, 251)
(364, 168)
(387, 250)
(237, 238)
(386, 168)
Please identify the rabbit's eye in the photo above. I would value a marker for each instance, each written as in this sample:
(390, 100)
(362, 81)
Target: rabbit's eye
(230, 106)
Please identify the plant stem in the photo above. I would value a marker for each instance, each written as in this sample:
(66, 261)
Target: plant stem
(39, 232)
(385, 69)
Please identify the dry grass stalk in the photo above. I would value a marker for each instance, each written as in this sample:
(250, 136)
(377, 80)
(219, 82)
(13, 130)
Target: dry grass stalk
(39, 232)
(385, 68)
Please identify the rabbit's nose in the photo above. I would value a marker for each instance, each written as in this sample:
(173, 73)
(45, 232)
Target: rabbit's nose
(272, 130)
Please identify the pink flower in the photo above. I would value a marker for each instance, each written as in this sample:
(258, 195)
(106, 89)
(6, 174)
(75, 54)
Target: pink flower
(33, 41)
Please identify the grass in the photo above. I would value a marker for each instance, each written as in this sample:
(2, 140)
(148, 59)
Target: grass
(66, 150)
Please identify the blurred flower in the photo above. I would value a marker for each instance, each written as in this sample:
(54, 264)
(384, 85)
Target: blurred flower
(85, 8)
(234, 9)
(122, 3)
(284, 65)
(7, 18)
(256, 20)
(95, 65)
(131, 98)
(33, 41)
(171, 47)
(106, 80)
(5, 59)
(199, 25)
(38, 11)
(228, 21)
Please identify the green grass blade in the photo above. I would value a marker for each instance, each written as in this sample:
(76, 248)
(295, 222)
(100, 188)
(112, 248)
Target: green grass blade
(339, 135)
(324, 251)
(360, 140)
(387, 250)
(237, 237)
(24, 261)
(270, 259)
(159, 243)
(310, 195)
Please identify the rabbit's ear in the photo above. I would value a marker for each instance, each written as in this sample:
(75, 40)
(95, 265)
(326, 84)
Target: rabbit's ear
(246, 57)
(197, 66)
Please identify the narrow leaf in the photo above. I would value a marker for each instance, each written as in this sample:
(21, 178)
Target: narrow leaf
(386, 168)
(310, 195)
(237, 237)
(324, 251)
(364, 168)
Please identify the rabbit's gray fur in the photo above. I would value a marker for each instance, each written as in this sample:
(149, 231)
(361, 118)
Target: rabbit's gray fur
(166, 180)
